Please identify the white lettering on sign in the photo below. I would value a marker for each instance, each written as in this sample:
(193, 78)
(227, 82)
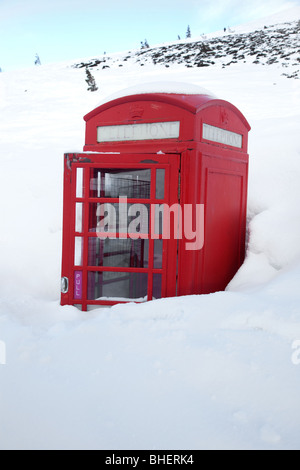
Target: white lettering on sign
(216, 134)
(145, 131)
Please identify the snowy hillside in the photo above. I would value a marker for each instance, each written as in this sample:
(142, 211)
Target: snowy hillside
(273, 44)
(219, 371)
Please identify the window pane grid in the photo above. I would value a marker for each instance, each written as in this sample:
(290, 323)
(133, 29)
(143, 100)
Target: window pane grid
(116, 183)
(122, 270)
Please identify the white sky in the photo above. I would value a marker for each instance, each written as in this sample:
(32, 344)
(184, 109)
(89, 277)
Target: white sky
(60, 30)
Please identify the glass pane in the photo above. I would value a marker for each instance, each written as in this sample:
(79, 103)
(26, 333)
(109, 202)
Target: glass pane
(167, 220)
(115, 183)
(117, 285)
(158, 252)
(78, 251)
(78, 217)
(156, 294)
(160, 184)
(119, 218)
(159, 218)
(96, 182)
(138, 218)
(123, 253)
(79, 182)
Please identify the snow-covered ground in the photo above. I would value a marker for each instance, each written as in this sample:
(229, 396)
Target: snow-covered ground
(219, 371)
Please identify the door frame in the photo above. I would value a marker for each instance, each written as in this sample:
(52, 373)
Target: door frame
(168, 270)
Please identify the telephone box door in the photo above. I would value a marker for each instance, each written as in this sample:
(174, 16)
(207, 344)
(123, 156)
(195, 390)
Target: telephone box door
(114, 244)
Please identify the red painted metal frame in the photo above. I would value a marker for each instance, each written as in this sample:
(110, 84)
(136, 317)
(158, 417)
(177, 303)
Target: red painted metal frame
(170, 164)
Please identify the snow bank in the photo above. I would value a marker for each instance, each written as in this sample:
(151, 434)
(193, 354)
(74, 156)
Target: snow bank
(169, 87)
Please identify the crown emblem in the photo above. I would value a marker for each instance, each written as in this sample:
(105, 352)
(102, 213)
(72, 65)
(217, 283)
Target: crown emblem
(224, 116)
(136, 112)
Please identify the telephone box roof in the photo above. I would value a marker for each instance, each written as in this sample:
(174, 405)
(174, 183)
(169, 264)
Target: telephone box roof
(192, 102)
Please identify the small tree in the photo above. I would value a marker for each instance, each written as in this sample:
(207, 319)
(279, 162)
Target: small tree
(188, 32)
(90, 80)
(144, 45)
(37, 60)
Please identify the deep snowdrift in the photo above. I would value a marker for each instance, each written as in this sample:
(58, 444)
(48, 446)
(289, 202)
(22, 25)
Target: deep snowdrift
(214, 371)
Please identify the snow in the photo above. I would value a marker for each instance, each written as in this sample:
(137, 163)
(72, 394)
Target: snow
(196, 372)
(279, 18)
(159, 87)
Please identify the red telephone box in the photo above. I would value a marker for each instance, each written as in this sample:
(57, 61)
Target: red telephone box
(155, 205)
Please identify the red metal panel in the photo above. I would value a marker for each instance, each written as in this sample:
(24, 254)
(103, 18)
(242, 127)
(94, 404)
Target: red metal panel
(190, 194)
(65, 297)
(218, 180)
(223, 231)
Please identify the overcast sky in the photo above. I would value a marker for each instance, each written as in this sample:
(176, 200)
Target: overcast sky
(60, 30)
